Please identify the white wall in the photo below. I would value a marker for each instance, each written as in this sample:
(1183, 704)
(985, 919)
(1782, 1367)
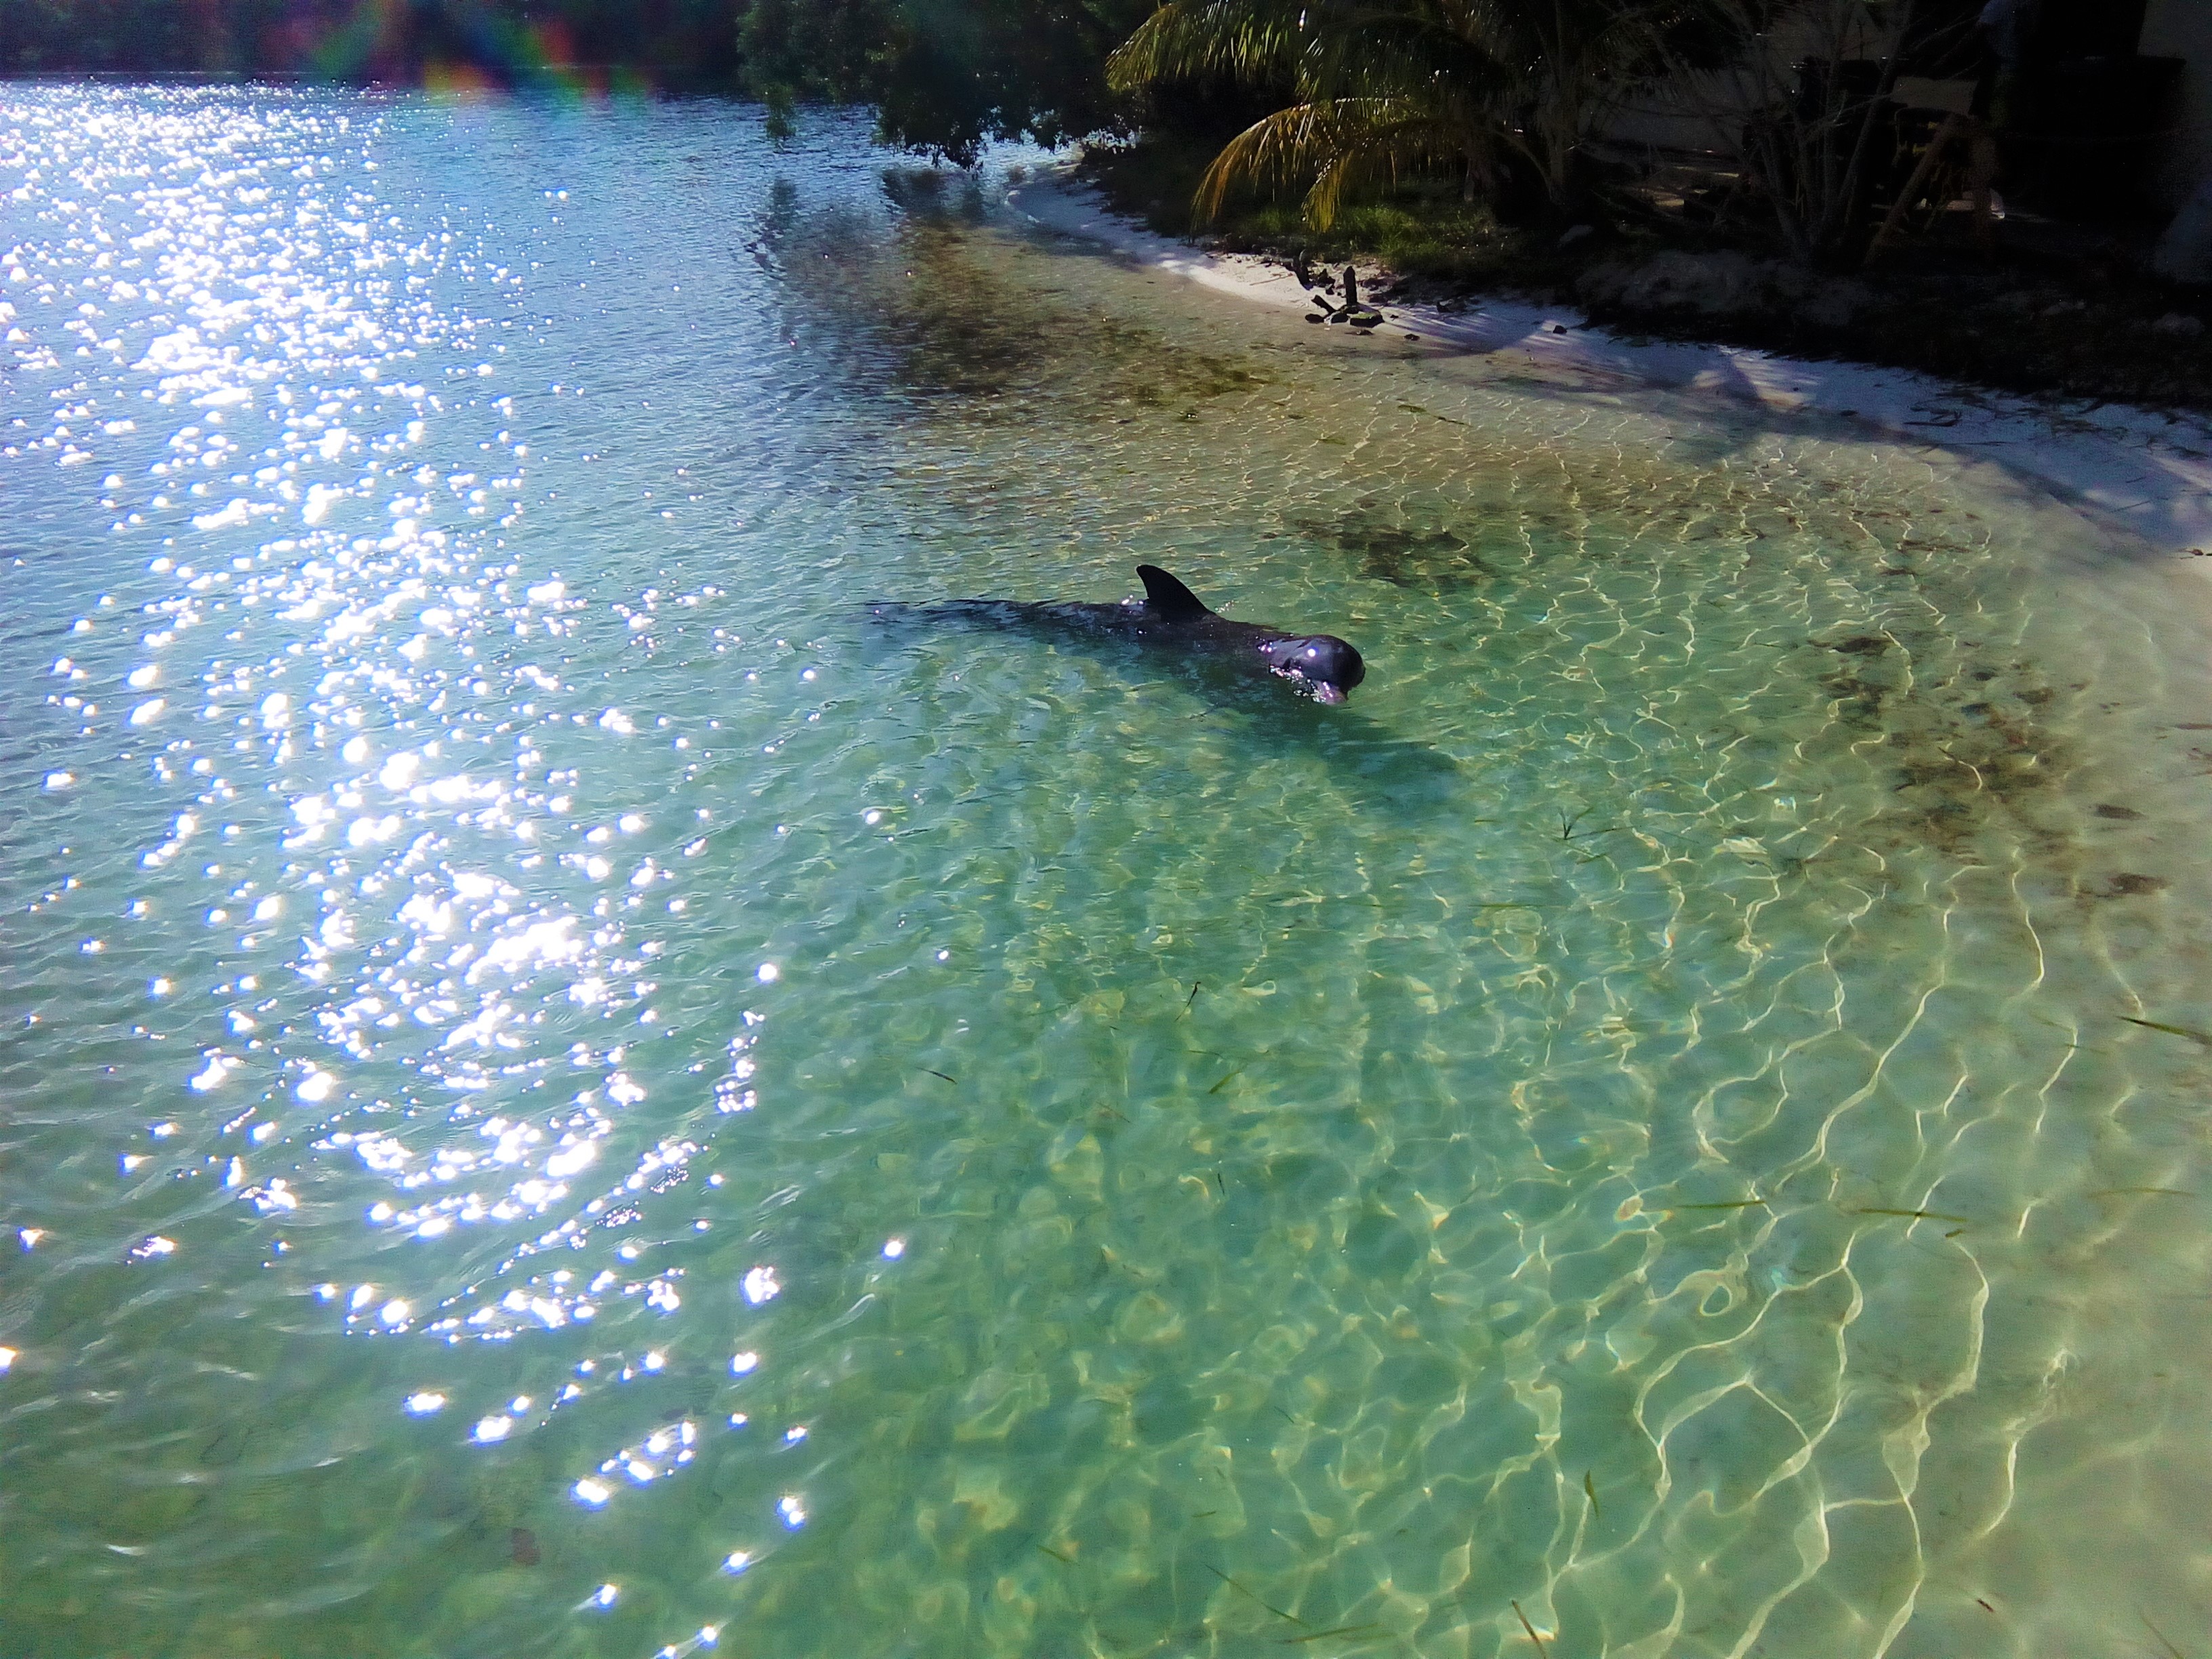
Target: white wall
(2183, 29)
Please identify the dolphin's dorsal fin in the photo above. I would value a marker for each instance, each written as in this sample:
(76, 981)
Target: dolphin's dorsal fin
(1170, 598)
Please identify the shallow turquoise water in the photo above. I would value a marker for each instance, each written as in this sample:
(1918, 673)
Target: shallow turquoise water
(564, 1092)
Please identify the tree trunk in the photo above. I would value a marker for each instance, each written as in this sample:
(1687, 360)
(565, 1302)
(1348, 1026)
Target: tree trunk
(1477, 183)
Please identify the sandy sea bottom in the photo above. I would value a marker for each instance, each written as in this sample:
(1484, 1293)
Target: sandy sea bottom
(566, 1092)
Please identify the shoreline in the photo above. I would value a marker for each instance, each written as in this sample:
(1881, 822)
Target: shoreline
(2146, 472)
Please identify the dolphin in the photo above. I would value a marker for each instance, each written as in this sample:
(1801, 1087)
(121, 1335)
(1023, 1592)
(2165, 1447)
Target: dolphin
(1170, 617)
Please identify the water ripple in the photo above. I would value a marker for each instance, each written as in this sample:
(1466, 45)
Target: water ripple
(568, 1093)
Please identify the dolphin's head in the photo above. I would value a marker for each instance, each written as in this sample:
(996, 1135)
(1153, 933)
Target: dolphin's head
(1320, 663)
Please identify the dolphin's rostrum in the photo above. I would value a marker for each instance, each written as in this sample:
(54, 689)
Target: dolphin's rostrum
(1170, 617)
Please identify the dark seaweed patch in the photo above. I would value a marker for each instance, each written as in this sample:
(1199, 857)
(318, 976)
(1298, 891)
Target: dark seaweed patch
(1959, 775)
(914, 313)
(1963, 751)
(1405, 555)
(1858, 700)
(2127, 882)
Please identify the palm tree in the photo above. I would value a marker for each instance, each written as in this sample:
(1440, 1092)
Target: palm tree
(1387, 87)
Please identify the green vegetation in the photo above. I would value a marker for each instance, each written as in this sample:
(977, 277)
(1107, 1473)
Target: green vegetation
(1418, 228)
(944, 76)
(2045, 313)
(1468, 146)
(1379, 91)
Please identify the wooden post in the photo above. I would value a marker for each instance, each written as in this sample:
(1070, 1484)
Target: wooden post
(1952, 126)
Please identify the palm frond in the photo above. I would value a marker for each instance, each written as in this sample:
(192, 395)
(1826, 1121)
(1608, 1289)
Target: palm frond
(1382, 86)
(1380, 155)
(1188, 40)
(1337, 145)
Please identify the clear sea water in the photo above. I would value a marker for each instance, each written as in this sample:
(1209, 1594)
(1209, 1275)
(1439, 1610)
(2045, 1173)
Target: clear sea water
(564, 1092)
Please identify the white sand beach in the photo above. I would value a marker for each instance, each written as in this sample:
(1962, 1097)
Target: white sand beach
(2144, 471)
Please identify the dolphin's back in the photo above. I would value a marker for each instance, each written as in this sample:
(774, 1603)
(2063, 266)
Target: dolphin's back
(1117, 619)
(1168, 598)
(1169, 617)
